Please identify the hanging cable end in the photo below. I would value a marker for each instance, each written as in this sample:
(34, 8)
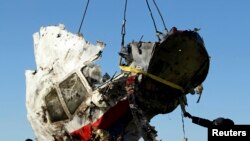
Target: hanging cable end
(79, 34)
(161, 36)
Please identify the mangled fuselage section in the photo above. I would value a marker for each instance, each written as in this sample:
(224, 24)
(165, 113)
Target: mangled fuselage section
(56, 90)
(67, 98)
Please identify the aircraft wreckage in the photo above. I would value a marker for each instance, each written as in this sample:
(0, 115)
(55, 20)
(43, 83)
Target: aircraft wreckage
(69, 99)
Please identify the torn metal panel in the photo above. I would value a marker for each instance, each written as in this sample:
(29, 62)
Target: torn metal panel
(138, 54)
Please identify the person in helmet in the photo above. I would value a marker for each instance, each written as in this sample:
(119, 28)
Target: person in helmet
(220, 121)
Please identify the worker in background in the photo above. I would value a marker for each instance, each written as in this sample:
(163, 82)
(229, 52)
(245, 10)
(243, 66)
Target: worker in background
(207, 123)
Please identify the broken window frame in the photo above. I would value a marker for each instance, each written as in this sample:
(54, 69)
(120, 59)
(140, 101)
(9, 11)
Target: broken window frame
(83, 104)
(50, 98)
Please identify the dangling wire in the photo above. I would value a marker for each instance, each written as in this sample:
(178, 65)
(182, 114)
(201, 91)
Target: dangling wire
(183, 125)
(183, 110)
(150, 11)
(83, 17)
(159, 12)
(123, 31)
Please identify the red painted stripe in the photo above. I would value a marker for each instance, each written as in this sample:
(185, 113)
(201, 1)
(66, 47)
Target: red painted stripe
(105, 121)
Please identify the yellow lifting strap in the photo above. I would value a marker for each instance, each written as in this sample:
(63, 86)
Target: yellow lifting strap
(168, 83)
